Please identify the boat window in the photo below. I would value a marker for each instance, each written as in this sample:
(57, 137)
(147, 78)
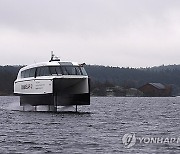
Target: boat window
(55, 70)
(73, 70)
(77, 71)
(43, 71)
(22, 74)
(32, 72)
(46, 71)
(64, 71)
(83, 71)
(38, 72)
(26, 75)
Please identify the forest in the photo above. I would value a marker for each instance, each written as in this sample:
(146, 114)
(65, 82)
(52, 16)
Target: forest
(7, 76)
(103, 77)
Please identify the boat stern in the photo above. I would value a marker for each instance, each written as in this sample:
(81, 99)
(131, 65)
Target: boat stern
(71, 91)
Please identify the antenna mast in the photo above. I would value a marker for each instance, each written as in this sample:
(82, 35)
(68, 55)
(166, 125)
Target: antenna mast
(53, 57)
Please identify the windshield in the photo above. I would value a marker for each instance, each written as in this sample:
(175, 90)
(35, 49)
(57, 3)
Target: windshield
(53, 70)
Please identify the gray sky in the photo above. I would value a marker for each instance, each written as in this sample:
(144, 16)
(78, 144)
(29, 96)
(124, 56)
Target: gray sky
(124, 33)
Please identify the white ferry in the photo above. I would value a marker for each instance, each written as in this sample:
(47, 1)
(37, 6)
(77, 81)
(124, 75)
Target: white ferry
(54, 83)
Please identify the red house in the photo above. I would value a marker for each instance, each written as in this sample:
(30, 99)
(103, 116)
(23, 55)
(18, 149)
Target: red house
(156, 90)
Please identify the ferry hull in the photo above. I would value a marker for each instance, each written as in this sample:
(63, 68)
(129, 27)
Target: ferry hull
(66, 92)
(36, 99)
(58, 100)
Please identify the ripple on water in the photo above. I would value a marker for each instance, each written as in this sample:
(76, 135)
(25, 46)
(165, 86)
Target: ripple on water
(97, 128)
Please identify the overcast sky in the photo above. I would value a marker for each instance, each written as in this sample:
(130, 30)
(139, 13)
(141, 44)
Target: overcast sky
(124, 33)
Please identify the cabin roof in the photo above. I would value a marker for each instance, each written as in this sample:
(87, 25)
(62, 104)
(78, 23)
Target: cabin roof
(52, 63)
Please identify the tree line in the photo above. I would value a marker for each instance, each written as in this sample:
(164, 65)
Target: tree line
(106, 76)
(7, 76)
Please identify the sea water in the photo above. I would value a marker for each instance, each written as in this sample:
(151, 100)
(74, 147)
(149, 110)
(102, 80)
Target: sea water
(108, 125)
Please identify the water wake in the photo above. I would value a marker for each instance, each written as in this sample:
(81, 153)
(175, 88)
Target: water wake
(14, 106)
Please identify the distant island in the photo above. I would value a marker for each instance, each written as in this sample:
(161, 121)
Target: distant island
(111, 81)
